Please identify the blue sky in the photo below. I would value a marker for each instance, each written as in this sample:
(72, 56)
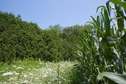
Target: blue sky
(52, 12)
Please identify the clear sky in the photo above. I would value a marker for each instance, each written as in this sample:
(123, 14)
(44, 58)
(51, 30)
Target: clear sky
(52, 12)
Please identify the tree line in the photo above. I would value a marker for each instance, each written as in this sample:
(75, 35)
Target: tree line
(26, 40)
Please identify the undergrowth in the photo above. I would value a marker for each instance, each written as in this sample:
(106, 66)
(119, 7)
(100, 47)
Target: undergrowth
(35, 72)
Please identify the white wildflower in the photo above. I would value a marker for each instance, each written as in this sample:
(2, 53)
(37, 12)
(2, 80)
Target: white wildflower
(45, 75)
(7, 74)
(31, 74)
(25, 75)
(60, 82)
(40, 63)
(37, 78)
(25, 82)
(49, 69)
(49, 82)
(14, 66)
(16, 73)
(20, 68)
(35, 69)
(11, 79)
(29, 68)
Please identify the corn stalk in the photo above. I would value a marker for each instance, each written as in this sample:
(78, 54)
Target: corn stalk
(110, 27)
(103, 48)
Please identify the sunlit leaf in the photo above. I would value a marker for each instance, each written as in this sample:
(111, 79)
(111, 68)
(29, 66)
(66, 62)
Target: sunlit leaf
(112, 39)
(106, 20)
(117, 78)
(123, 4)
(120, 20)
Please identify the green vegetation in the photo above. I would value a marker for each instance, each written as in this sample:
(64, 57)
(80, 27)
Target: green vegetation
(99, 47)
(36, 72)
(23, 40)
(103, 50)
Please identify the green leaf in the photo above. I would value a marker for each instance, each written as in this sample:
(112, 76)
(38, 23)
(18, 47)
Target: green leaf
(106, 19)
(98, 29)
(120, 20)
(112, 39)
(123, 39)
(122, 4)
(108, 7)
(117, 78)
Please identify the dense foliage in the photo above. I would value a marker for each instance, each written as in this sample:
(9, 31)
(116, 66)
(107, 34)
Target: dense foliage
(103, 49)
(23, 40)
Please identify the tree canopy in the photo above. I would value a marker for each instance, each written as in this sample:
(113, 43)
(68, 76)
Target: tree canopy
(20, 39)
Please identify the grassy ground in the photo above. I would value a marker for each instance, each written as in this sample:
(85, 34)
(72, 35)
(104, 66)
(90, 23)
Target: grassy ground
(35, 72)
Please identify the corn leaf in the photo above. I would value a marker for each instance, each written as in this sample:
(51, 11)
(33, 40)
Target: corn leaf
(120, 20)
(123, 39)
(122, 4)
(106, 20)
(117, 78)
(112, 39)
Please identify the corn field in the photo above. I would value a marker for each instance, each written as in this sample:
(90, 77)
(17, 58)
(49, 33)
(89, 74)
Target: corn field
(102, 51)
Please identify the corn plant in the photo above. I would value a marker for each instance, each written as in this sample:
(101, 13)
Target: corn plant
(115, 40)
(103, 47)
(111, 29)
